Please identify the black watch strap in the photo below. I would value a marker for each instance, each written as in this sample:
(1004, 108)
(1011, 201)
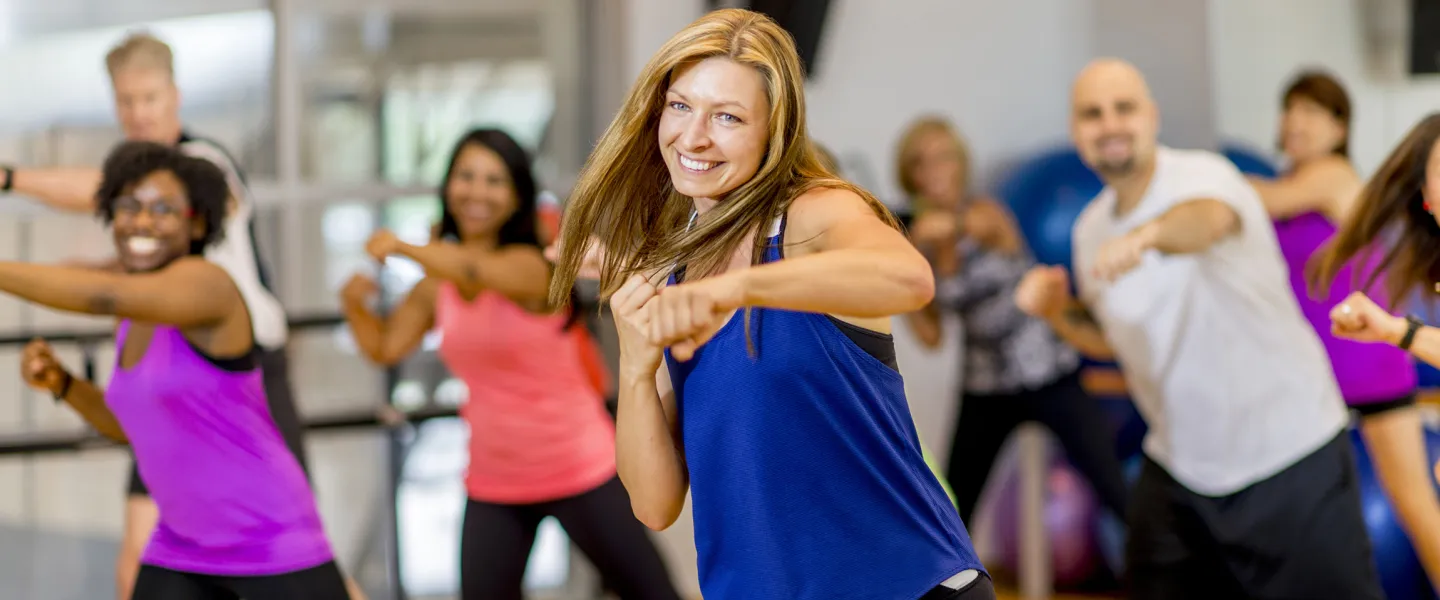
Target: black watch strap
(9, 179)
(64, 387)
(1412, 325)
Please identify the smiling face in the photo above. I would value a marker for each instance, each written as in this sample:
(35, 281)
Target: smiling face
(1113, 121)
(480, 194)
(152, 223)
(714, 127)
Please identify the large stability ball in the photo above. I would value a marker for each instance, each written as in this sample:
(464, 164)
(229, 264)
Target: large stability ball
(1070, 519)
(1047, 193)
(1400, 572)
(1249, 161)
(1425, 306)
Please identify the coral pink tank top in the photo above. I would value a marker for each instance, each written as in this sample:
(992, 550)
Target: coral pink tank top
(539, 430)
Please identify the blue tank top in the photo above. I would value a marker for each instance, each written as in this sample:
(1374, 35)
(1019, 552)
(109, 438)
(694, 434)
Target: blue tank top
(806, 475)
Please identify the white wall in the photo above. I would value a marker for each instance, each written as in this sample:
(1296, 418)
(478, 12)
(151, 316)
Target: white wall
(1000, 70)
(1258, 46)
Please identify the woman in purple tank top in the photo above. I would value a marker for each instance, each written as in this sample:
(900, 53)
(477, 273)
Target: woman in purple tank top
(1378, 381)
(237, 515)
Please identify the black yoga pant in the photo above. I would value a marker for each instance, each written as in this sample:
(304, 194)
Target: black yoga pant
(1076, 418)
(496, 541)
(316, 583)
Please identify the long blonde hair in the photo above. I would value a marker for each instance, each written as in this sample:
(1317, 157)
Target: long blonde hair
(624, 196)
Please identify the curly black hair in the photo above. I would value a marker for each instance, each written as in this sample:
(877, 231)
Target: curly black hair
(205, 184)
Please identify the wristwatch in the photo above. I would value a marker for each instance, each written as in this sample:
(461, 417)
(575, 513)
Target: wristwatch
(64, 386)
(1412, 325)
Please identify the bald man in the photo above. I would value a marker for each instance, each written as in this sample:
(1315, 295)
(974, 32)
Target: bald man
(1248, 487)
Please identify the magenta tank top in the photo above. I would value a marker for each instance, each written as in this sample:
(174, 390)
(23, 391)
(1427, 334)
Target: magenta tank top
(1366, 372)
(233, 500)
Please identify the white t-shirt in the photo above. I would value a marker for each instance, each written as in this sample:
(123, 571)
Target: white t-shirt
(1231, 379)
(237, 253)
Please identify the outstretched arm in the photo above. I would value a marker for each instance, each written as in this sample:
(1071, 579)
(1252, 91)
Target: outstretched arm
(182, 294)
(1191, 227)
(70, 189)
(520, 273)
(1188, 228)
(388, 340)
(846, 261)
(1328, 186)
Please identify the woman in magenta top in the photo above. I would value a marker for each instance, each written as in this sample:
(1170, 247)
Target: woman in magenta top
(237, 515)
(541, 442)
(1378, 381)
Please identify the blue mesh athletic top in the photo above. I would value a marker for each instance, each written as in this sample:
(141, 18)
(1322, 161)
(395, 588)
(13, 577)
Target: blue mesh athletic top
(806, 475)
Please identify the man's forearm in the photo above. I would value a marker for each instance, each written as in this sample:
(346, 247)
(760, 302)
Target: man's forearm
(1190, 227)
(69, 189)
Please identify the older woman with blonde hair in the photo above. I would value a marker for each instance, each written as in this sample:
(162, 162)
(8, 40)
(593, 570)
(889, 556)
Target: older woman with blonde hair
(1016, 369)
(752, 294)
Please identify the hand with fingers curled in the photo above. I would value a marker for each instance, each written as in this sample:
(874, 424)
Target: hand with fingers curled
(1123, 254)
(1360, 319)
(1043, 292)
(359, 290)
(42, 370)
(685, 316)
(630, 305)
(382, 243)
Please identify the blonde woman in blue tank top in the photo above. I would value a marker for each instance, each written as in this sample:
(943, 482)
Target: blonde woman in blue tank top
(753, 293)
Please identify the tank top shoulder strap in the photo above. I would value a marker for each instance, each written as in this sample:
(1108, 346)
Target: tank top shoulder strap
(775, 239)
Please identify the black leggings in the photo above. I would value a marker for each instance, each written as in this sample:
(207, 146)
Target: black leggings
(496, 540)
(316, 583)
(1064, 407)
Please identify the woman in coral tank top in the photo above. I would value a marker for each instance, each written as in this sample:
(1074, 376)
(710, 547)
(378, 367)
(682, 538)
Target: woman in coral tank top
(541, 441)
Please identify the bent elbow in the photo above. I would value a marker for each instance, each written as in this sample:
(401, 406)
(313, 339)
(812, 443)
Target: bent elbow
(388, 358)
(918, 287)
(653, 515)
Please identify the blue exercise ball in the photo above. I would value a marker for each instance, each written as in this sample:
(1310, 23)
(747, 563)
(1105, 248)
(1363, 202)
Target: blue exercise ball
(1425, 306)
(1047, 193)
(1400, 571)
(1249, 161)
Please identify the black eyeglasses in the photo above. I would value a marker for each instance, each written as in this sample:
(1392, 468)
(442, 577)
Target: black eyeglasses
(128, 207)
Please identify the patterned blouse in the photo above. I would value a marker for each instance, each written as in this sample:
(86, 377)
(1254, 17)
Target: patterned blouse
(1006, 351)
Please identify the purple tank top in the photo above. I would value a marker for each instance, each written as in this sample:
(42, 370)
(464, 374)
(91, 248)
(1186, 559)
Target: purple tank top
(1366, 372)
(233, 500)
